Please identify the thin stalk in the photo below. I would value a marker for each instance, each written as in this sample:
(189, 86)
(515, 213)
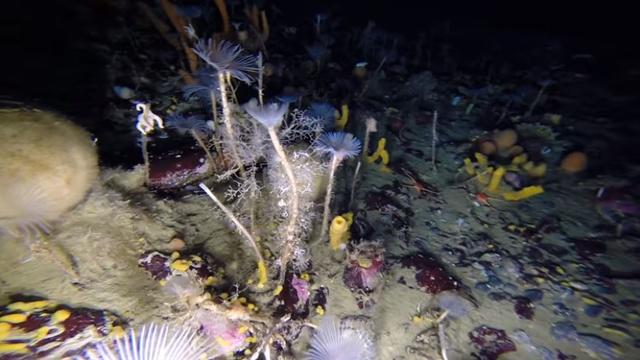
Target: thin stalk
(230, 84)
(536, 100)
(434, 140)
(216, 133)
(365, 144)
(442, 339)
(353, 184)
(260, 81)
(335, 161)
(243, 230)
(293, 207)
(145, 157)
(252, 205)
(195, 135)
(226, 112)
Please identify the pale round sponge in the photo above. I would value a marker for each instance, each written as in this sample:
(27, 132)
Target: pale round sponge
(47, 166)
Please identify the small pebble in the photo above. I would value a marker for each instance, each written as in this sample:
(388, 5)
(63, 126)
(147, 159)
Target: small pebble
(522, 337)
(564, 331)
(510, 287)
(534, 294)
(593, 310)
(494, 281)
(512, 268)
(497, 296)
(176, 244)
(484, 286)
(491, 257)
(561, 309)
(456, 305)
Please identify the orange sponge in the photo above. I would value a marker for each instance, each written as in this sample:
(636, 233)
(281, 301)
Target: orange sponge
(574, 162)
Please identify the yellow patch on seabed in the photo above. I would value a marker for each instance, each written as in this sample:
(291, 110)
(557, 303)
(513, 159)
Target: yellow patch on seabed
(14, 318)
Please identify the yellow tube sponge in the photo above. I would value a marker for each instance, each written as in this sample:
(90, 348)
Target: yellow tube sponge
(520, 159)
(349, 217)
(14, 318)
(496, 177)
(14, 348)
(538, 171)
(342, 121)
(262, 274)
(468, 167)
(380, 153)
(482, 159)
(5, 330)
(484, 176)
(524, 193)
(29, 306)
(60, 316)
(339, 232)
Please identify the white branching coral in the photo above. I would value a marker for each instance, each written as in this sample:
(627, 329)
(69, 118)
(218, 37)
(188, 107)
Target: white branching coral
(309, 172)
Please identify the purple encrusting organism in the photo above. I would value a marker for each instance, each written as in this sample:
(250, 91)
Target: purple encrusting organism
(302, 289)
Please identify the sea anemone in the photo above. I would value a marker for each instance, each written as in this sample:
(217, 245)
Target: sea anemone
(269, 115)
(153, 343)
(331, 342)
(227, 58)
(341, 145)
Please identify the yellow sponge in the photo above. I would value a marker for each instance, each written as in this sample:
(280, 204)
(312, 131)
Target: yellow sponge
(468, 167)
(262, 273)
(524, 193)
(339, 230)
(342, 121)
(496, 177)
(380, 153)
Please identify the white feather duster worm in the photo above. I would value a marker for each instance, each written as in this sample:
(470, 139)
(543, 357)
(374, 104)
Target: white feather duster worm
(333, 342)
(153, 343)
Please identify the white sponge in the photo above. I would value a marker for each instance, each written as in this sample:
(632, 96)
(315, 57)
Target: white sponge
(47, 166)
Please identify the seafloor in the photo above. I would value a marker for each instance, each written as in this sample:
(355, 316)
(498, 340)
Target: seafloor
(552, 276)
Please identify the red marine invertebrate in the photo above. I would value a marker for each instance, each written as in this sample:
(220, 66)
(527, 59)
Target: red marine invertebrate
(430, 274)
(491, 342)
